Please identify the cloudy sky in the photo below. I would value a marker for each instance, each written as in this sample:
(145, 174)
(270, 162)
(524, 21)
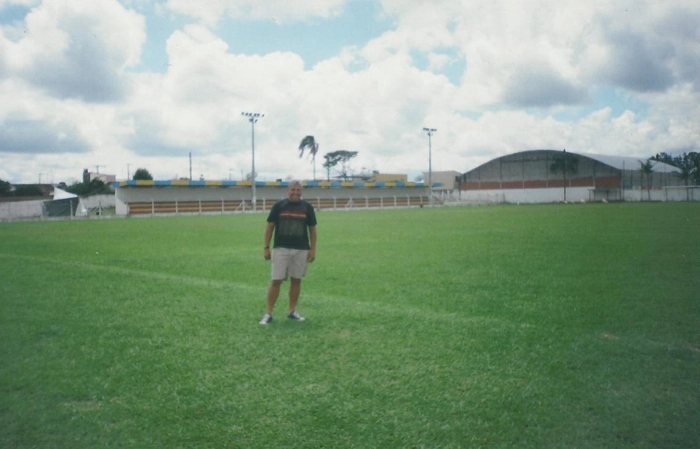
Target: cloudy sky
(115, 85)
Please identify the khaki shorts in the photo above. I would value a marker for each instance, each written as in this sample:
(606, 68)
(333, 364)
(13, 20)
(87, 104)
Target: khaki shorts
(289, 263)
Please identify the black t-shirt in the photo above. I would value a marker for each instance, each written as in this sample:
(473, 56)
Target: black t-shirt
(292, 221)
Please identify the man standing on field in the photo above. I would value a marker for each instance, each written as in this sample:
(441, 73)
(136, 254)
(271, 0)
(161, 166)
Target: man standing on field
(293, 222)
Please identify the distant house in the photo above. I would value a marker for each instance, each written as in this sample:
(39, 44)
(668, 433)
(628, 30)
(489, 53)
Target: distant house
(443, 180)
(389, 177)
(107, 179)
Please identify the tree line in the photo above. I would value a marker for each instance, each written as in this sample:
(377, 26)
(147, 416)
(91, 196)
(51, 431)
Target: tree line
(7, 190)
(687, 163)
(88, 187)
(97, 186)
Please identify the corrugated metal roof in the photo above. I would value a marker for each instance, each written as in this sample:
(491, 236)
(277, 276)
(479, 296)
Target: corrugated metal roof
(630, 163)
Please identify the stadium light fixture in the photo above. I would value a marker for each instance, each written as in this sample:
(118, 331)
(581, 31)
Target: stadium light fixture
(253, 117)
(430, 132)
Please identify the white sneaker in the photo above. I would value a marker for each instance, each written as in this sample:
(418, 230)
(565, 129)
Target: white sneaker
(266, 319)
(295, 316)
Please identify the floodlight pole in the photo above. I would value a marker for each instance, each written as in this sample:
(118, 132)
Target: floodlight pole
(253, 117)
(430, 132)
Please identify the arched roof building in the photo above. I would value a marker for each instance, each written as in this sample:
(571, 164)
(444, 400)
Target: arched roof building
(537, 176)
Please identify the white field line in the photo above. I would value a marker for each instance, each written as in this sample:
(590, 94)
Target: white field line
(337, 303)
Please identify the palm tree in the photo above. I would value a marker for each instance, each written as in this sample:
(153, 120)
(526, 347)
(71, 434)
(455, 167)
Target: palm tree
(687, 163)
(566, 163)
(686, 174)
(309, 143)
(647, 169)
(688, 170)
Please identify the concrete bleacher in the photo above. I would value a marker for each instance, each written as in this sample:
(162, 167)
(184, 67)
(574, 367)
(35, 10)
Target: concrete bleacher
(229, 206)
(207, 197)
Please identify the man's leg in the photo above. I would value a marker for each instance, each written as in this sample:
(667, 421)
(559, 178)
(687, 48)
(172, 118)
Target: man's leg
(294, 290)
(273, 293)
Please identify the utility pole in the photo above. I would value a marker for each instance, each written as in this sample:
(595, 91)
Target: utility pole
(566, 162)
(253, 117)
(430, 132)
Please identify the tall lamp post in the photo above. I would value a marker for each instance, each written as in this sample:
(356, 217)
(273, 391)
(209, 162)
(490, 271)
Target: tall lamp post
(252, 118)
(430, 132)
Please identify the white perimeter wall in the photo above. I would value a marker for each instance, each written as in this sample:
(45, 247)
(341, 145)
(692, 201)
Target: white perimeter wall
(21, 210)
(573, 194)
(26, 210)
(666, 194)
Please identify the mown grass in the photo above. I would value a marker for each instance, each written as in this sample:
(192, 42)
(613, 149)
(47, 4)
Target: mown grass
(558, 326)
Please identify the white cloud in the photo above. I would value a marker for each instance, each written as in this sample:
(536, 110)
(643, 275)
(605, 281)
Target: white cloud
(211, 11)
(53, 79)
(77, 50)
(198, 101)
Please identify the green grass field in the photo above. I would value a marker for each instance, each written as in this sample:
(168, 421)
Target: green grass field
(553, 326)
